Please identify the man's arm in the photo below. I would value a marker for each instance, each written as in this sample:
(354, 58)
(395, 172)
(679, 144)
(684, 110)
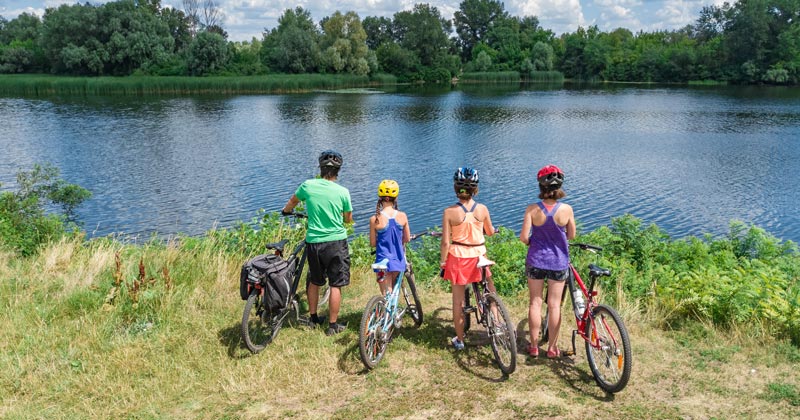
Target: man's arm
(290, 205)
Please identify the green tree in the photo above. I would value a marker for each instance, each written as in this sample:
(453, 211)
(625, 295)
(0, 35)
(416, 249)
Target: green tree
(293, 46)
(473, 20)
(208, 54)
(344, 44)
(378, 30)
(116, 38)
(504, 38)
(424, 31)
(25, 27)
(397, 60)
(542, 57)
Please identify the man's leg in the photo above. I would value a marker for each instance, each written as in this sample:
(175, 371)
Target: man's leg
(333, 303)
(312, 293)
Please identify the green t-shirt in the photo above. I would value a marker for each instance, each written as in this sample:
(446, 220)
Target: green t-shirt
(325, 202)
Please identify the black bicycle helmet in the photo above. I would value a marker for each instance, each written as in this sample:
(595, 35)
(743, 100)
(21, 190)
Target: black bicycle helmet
(466, 177)
(330, 158)
(550, 177)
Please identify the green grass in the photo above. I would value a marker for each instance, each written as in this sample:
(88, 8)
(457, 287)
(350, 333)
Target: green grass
(80, 339)
(483, 77)
(34, 85)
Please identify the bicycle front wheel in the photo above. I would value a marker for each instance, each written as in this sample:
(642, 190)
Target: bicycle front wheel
(501, 331)
(371, 340)
(257, 324)
(414, 309)
(609, 349)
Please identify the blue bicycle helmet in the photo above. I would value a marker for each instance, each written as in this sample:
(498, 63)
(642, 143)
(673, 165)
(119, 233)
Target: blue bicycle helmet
(466, 177)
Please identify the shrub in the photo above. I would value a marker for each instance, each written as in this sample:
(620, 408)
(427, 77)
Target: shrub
(24, 224)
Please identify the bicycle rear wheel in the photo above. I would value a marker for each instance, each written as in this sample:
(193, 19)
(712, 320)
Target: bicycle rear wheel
(258, 324)
(371, 342)
(501, 331)
(414, 309)
(611, 360)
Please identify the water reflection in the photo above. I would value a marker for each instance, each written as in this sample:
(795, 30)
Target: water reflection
(689, 159)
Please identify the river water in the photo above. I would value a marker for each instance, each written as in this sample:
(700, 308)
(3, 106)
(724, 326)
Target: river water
(688, 159)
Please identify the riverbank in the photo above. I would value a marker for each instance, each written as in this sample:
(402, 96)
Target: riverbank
(76, 343)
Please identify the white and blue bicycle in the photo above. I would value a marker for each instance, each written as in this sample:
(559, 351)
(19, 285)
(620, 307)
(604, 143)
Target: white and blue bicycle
(383, 314)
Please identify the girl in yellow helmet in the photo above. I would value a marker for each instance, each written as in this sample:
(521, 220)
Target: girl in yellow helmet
(389, 232)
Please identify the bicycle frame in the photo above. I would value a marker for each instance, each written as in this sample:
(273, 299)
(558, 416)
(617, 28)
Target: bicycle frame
(391, 297)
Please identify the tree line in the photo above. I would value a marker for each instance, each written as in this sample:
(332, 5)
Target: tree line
(749, 41)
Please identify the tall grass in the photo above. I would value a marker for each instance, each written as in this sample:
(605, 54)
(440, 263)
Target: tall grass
(102, 329)
(33, 85)
(484, 77)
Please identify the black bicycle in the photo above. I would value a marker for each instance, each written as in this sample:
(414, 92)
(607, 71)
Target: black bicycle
(260, 324)
(490, 312)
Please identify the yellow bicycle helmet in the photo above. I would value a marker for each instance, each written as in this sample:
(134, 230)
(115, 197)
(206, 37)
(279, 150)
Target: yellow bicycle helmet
(388, 188)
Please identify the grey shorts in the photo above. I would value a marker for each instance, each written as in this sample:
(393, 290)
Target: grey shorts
(554, 275)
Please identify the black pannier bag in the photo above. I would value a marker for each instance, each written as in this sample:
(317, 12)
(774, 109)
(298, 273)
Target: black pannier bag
(272, 272)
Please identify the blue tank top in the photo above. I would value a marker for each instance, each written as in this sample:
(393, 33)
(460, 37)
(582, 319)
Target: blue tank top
(389, 244)
(548, 248)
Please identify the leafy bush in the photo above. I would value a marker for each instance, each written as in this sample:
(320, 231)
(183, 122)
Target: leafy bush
(24, 224)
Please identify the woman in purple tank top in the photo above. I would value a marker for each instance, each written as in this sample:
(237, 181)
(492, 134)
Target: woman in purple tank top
(546, 228)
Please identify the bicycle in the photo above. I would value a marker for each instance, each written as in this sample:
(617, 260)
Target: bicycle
(382, 314)
(608, 353)
(491, 312)
(260, 325)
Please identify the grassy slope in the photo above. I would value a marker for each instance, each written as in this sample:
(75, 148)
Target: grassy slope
(64, 354)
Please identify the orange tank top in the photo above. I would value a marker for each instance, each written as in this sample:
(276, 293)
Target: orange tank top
(466, 238)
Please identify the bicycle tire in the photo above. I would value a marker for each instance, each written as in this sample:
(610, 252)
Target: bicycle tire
(324, 295)
(502, 334)
(611, 364)
(256, 331)
(414, 310)
(467, 319)
(371, 346)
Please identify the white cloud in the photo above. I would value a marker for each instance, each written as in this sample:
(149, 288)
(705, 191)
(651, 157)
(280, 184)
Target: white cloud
(557, 15)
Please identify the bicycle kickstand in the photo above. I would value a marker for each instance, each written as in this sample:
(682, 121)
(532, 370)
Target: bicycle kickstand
(572, 352)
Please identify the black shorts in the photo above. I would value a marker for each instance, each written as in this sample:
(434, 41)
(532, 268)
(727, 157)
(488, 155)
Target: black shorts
(329, 260)
(554, 275)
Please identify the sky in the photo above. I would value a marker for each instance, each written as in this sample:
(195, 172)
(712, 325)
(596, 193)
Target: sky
(245, 19)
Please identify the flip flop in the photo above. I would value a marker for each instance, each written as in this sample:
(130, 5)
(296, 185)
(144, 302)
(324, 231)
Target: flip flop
(533, 351)
(553, 354)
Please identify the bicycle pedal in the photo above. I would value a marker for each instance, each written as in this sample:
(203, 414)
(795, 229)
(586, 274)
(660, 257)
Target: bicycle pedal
(469, 309)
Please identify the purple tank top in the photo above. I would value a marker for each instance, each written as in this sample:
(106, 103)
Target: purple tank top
(548, 249)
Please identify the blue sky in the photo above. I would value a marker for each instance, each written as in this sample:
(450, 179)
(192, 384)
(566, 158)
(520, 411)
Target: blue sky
(244, 19)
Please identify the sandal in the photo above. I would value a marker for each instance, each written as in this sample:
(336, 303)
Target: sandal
(533, 351)
(553, 354)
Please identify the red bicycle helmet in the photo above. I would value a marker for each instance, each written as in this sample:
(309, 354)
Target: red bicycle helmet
(551, 177)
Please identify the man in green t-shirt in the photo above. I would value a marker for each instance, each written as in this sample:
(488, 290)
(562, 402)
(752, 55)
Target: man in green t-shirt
(329, 208)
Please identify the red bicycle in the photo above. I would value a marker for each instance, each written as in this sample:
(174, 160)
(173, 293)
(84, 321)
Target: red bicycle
(608, 347)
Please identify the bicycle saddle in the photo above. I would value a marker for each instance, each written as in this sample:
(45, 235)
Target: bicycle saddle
(598, 271)
(277, 245)
(381, 265)
(484, 262)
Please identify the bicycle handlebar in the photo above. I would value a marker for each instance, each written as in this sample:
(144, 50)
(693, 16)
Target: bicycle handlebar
(295, 214)
(427, 232)
(586, 247)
